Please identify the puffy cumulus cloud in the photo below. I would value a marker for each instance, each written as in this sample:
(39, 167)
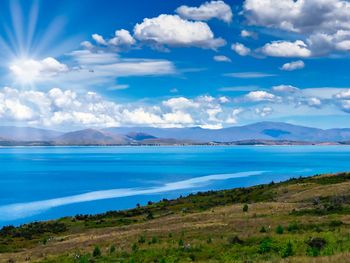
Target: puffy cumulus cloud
(172, 30)
(58, 108)
(178, 118)
(294, 65)
(27, 70)
(286, 49)
(263, 112)
(232, 117)
(122, 39)
(324, 23)
(240, 49)
(221, 58)
(207, 11)
(99, 39)
(180, 103)
(311, 101)
(300, 15)
(260, 95)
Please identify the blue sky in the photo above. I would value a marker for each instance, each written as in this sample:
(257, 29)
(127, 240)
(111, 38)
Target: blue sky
(214, 64)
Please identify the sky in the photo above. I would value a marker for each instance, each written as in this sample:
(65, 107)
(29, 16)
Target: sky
(67, 65)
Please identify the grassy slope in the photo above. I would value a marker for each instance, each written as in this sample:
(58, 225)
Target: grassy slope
(292, 220)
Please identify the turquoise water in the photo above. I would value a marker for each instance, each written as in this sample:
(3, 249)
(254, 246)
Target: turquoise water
(50, 182)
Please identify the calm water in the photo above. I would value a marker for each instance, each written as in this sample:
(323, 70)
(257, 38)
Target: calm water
(50, 182)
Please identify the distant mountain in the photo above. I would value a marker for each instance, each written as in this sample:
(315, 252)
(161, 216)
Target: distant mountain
(140, 136)
(90, 137)
(27, 134)
(257, 133)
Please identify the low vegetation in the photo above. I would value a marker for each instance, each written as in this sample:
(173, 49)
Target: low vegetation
(299, 220)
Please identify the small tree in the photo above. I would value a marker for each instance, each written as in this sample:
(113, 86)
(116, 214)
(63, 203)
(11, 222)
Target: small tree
(245, 208)
(97, 252)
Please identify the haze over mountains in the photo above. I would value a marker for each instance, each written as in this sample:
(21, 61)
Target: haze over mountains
(262, 131)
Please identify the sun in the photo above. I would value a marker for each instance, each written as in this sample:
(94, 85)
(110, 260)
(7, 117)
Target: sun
(30, 42)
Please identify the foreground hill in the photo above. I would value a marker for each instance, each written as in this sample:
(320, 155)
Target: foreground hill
(300, 220)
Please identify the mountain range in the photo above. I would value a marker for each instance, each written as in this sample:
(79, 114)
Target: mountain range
(271, 132)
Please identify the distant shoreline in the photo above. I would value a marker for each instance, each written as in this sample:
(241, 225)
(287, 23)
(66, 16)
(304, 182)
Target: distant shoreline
(234, 143)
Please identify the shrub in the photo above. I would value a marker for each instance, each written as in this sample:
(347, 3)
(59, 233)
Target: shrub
(245, 208)
(150, 215)
(265, 245)
(142, 239)
(181, 243)
(97, 252)
(154, 240)
(134, 247)
(292, 227)
(235, 240)
(288, 250)
(209, 240)
(279, 230)
(112, 249)
(263, 229)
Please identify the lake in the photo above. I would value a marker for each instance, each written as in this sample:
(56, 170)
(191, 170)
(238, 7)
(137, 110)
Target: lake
(39, 183)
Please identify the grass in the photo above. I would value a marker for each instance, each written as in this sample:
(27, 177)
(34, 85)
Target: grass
(296, 220)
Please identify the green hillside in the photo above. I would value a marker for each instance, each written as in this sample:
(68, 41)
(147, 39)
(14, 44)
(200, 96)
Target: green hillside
(300, 220)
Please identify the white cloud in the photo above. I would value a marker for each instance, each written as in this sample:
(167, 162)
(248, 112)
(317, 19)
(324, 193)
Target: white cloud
(343, 95)
(294, 65)
(221, 58)
(28, 70)
(324, 23)
(248, 75)
(246, 33)
(99, 39)
(313, 102)
(207, 11)
(122, 38)
(263, 112)
(286, 49)
(178, 118)
(180, 103)
(285, 89)
(240, 49)
(260, 95)
(69, 109)
(171, 30)
(299, 16)
(232, 117)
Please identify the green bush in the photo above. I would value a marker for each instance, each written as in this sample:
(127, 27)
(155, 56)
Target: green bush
(245, 208)
(263, 229)
(112, 249)
(97, 252)
(279, 230)
(288, 250)
(142, 239)
(265, 245)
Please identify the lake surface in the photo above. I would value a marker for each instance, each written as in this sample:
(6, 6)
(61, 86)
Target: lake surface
(39, 183)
